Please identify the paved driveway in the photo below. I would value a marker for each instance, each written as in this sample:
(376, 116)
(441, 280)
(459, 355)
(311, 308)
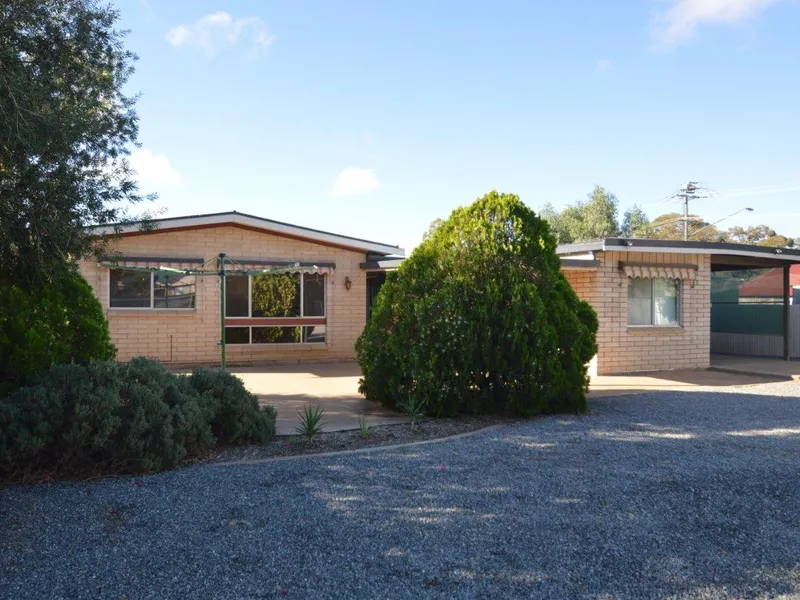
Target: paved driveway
(671, 494)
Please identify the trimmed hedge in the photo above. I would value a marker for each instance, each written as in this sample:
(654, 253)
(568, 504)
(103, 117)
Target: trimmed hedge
(480, 319)
(137, 417)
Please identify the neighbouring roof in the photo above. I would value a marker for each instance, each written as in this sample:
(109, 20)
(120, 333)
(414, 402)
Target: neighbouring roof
(770, 283)
(238, 219)
(724, 256)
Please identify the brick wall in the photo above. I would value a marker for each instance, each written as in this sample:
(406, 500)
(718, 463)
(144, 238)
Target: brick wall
(191, 336)
(627, 349)
(623, 349)
(584, 282)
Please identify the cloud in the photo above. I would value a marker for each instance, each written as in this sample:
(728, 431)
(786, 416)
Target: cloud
(220, 29)
(154, 169)
(678, 23)
(604, 65)
(352, 182)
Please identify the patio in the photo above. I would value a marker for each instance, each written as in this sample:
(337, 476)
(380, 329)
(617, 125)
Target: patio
(334, 386)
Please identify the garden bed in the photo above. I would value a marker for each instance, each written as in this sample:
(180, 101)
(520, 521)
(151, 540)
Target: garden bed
(379, 435)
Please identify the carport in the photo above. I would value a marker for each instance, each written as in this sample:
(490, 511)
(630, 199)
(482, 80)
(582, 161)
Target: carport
(747, 325)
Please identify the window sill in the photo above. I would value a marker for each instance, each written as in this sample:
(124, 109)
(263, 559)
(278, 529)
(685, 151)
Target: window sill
(297, 346)
(656, 329)
(151, 312)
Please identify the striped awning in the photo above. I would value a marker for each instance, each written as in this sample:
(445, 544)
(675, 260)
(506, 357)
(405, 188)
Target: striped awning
(660, 271)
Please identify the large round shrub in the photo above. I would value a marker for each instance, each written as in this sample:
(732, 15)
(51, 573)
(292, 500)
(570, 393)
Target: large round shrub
(480, 319)
(56, 323)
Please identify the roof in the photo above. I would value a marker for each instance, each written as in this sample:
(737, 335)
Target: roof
(770, 283)
(238, 219)
(724, 256)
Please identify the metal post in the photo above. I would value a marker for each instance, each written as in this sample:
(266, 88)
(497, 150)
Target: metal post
(786, 313)
(222, 288)
(686, 216)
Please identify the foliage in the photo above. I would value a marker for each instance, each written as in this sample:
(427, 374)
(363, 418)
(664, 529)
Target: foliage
(232, 411)
(670, 227)
(435, 224)
(480, 319)
(67, 129)
(309, 422)
(591, 219)
(635, 223)
(414, 408)
(363, 427)
(596, 218)
(106, 417)
(54, 323)
(276, 295)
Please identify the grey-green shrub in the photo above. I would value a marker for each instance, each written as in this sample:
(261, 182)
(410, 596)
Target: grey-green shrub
(122, 418)
(480, 319)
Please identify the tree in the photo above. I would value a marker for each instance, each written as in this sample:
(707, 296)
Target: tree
(435, 224)
(590, 219)
(763, 235)
(55, 323)
(480, 319)
(66, 129)
(635, 223)
(670, 227)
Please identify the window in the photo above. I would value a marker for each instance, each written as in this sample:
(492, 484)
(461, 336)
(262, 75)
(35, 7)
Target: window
(142, 289)
(285, 308)
(653, 302)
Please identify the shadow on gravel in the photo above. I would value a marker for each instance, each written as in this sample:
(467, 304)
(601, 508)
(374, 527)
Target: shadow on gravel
(676, 494)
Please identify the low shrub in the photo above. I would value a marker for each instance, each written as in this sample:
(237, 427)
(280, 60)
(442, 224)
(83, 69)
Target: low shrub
(233, 412)
(124, 418)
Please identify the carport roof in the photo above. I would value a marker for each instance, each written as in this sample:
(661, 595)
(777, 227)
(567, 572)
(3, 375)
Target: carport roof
(724, 256)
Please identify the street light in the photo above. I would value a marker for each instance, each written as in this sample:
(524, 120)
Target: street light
(748, 209)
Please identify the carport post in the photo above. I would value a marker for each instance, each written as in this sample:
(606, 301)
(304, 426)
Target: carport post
(786, 314)
(222, 289)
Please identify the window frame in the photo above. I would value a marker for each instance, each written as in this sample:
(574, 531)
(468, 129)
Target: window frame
(303, 321)
(652, 324)
(152, 306)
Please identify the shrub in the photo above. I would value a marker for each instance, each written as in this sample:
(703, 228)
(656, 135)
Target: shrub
(309, 422)
(480, 319)
(122, 418)
(56, 323)
(233, 412)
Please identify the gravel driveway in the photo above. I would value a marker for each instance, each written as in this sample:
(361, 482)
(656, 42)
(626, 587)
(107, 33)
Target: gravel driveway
(671, 494)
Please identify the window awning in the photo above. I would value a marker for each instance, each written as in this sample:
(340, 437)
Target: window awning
(655, 271)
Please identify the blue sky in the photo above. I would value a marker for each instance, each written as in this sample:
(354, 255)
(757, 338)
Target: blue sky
(374, 118)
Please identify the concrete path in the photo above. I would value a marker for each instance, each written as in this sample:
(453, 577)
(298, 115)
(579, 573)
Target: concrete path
(332, 386)
(770, 367)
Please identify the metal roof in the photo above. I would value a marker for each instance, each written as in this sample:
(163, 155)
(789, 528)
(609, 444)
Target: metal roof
(724, 255)
(237, 218)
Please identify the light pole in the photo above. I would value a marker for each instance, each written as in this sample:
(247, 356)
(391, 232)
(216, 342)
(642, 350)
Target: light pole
(748, 209)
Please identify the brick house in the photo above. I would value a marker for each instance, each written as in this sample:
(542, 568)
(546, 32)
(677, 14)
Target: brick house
(653, 297)
(161, 290)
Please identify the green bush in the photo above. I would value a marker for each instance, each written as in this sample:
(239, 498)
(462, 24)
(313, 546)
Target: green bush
(480, 319)
(123, 418)
(57, 323)
(235, 415)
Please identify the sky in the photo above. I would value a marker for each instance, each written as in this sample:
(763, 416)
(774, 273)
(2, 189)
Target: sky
(372, 119)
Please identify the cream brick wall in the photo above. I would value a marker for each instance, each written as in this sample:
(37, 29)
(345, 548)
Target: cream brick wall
(192, 336)
(627, 349)
(623, 349)
(584, 282)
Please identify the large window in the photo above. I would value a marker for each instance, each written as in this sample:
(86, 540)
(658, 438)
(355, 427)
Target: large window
(286, 308)
(142, 289)
(654, 302)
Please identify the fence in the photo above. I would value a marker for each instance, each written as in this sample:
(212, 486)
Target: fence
(753, 329)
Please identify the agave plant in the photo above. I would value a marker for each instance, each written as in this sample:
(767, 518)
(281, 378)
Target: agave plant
(414, 409)
(309, 422)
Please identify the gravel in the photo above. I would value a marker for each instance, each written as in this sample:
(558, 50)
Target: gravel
(673, 494)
